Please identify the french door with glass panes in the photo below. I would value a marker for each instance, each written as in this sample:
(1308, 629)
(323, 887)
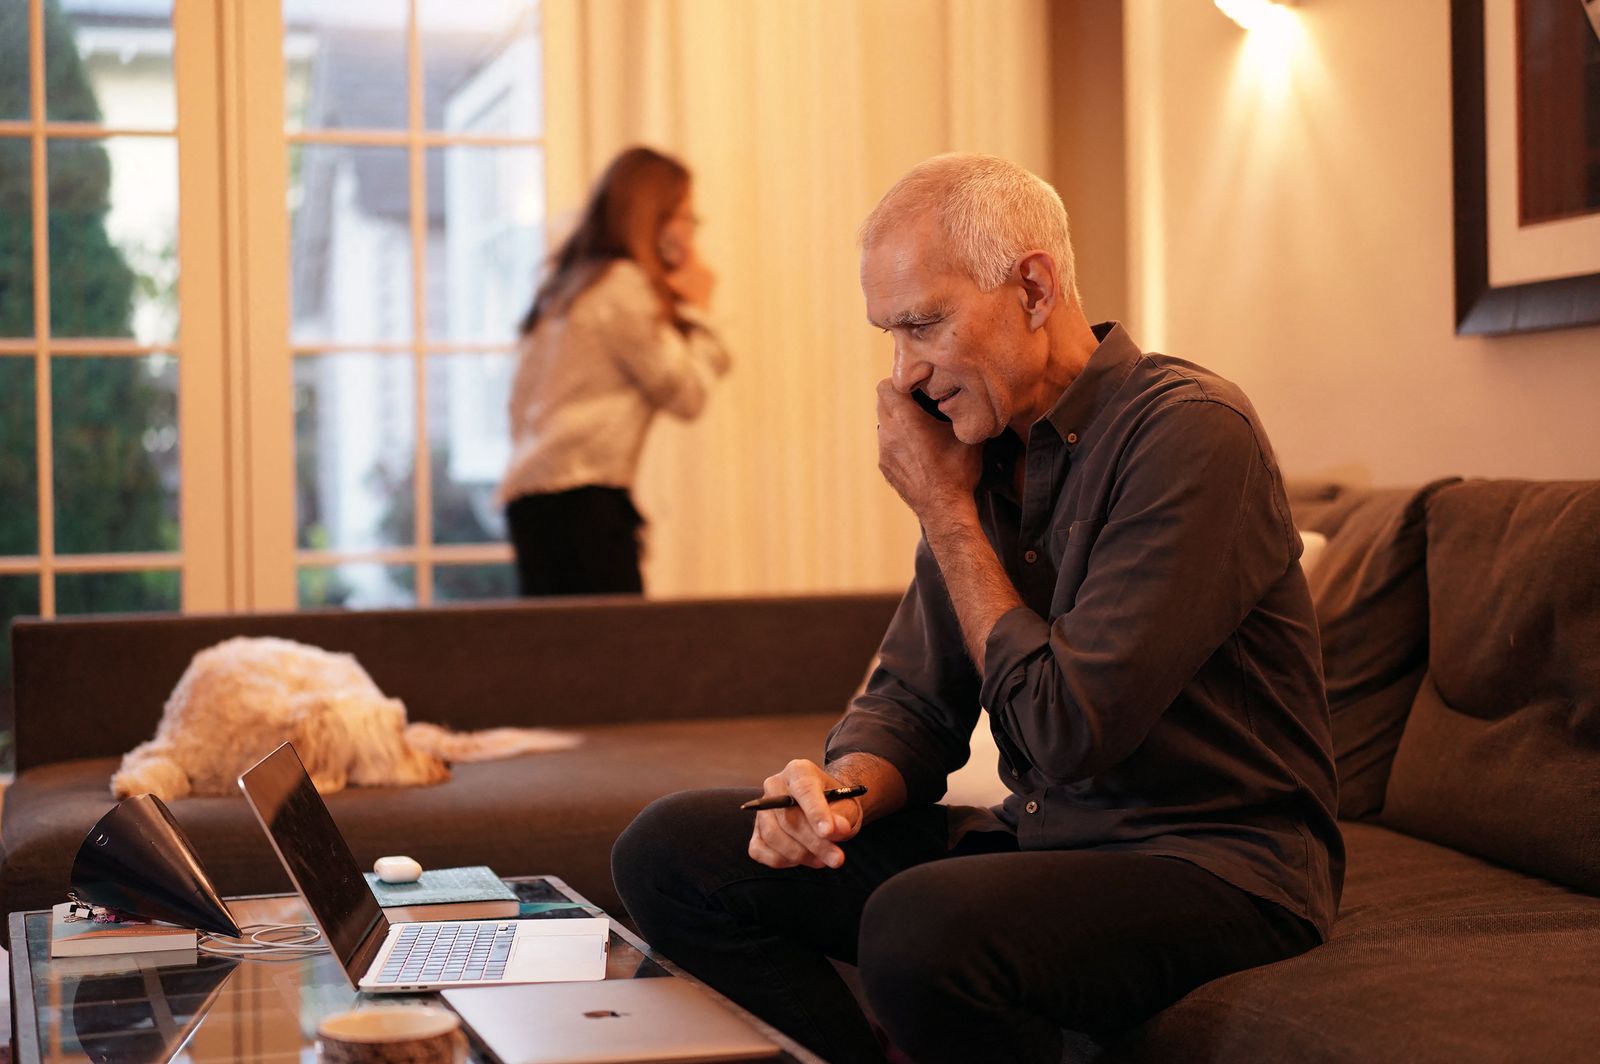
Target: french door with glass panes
(260, 268)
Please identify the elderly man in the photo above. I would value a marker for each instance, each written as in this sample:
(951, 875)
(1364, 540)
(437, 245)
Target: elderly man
(1109, 567)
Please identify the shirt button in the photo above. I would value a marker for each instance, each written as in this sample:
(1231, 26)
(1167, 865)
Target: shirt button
(1031, 556)
(1016, 774)
(1032, 807)
(1072, 437)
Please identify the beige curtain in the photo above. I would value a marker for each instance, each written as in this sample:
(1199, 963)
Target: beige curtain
(795, 116)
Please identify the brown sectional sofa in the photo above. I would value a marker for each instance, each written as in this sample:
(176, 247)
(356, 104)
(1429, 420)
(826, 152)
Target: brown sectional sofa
(1461, 627)
(667, 695)
(1461, 642)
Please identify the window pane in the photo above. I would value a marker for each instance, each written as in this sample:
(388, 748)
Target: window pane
(355, 439)
(469, 441)
(19, 471)
(114, 238)
(115, 424)
(16, 88)
(358, 585)
(492, 230)
(464, 583)
(156, 591)
(482, 70)
(350, 244)
(16, 231)
(345, 64)
(19, 597)
(109, 62)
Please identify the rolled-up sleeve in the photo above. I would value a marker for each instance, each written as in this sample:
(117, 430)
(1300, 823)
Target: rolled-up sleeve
(1192, 538)
(921, 701)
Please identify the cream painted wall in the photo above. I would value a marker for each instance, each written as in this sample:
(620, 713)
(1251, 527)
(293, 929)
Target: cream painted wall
(796, 115)
(1293, 230)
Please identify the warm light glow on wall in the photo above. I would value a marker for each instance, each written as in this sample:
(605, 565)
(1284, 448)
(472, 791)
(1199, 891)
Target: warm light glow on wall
(1256, 14)
(1274, 43)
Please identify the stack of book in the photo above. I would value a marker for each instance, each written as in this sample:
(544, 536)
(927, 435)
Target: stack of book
(473, 892)
(79, 937)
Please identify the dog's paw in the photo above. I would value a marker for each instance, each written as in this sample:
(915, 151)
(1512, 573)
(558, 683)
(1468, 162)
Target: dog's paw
(159, 776)
(329, 781)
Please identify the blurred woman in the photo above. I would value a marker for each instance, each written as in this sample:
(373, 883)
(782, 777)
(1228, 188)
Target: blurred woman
(614, 335)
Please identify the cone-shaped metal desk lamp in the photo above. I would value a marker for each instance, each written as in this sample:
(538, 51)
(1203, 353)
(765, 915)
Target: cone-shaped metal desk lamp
(138, 861)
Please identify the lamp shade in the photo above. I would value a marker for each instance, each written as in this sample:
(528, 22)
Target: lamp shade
(138, 861)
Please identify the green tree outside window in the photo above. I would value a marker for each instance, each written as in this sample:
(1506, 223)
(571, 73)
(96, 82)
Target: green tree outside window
(102, 467)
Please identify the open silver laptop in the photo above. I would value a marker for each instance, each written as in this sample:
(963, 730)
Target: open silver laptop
(619, 1021)
(382, 957)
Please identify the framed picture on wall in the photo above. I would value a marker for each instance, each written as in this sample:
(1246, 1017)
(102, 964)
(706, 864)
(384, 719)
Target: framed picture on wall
(1526, 116)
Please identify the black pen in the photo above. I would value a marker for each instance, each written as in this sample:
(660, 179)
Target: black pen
(784, 801)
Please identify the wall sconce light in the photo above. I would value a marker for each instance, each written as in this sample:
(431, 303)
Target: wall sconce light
(1255, 14)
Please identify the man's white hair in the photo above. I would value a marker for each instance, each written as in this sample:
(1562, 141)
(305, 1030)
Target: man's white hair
(991, 210)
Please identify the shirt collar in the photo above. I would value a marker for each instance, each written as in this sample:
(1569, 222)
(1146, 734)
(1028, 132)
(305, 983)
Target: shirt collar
(1090, 392)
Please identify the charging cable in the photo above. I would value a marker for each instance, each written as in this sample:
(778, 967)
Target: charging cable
(272, 942)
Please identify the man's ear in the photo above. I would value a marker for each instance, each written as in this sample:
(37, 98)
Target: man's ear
(1036, 274)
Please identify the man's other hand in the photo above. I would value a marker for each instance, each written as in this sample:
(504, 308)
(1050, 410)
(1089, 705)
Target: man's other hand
(805, 833)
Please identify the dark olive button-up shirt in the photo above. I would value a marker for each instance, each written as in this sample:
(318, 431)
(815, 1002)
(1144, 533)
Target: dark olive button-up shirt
(1161, 689)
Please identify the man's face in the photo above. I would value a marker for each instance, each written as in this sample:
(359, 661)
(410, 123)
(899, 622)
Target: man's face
(969, 350)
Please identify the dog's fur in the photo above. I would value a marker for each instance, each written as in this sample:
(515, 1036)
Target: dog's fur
(239, 699)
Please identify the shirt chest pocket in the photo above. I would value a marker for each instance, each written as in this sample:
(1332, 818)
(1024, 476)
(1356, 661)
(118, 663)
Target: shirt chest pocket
(1070, 547)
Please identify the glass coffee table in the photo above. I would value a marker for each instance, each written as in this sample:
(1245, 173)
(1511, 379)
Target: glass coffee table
(137, 1008)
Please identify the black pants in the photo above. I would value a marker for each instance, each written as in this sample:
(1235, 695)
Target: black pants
(978, 954)
(584, 541)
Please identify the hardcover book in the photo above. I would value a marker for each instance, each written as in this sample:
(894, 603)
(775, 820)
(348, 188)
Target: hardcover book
(72, 936)
(472, 892)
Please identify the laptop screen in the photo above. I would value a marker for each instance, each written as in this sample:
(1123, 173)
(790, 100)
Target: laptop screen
(316, 855)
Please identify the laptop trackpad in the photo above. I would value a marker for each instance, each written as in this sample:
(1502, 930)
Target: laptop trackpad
(547, 951)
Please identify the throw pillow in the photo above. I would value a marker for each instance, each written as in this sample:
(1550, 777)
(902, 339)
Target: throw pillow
(1501, 754)
(1369, 589)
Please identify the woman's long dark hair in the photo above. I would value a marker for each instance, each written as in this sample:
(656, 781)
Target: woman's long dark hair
(633, 199)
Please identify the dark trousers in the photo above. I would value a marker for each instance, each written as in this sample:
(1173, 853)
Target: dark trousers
(980, 953)
(584, 541)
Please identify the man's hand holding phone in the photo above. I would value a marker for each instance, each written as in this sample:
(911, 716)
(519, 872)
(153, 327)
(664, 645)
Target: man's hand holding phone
(920, 456)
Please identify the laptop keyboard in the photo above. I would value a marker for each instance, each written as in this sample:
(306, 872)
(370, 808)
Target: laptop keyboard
(449, 953)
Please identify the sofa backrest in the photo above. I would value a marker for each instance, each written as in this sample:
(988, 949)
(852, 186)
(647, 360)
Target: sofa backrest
(95, 687)
(1369, 588)
(1501, 753)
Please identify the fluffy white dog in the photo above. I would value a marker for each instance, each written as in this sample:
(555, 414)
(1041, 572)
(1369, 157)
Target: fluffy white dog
(239, 699)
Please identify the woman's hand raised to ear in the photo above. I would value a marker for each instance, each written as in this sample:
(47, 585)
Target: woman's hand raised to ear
(692, 282)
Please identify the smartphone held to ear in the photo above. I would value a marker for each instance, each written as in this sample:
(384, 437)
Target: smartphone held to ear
(925, 401)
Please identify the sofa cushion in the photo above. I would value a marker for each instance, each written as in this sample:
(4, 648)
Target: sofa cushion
(1308, 499)
(1369, 590)
(1436, 957)
(555, 813)
(1501, 753)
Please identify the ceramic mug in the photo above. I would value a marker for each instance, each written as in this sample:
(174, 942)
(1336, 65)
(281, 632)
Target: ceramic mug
(392, 1034)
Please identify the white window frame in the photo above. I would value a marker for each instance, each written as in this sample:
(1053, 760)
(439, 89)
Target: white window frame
(269, 573)
(235, 360)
